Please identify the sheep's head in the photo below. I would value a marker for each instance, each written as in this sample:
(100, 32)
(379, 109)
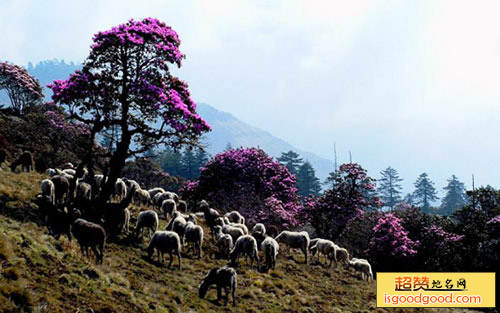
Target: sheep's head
(209, 280)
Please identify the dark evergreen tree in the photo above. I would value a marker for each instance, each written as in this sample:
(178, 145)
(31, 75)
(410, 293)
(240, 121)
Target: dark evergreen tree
(389, 188)
(455, 197)
(201, 158)
(424, 193)
(307, 182)
(291, 160)
(188, 164)
(170, 161)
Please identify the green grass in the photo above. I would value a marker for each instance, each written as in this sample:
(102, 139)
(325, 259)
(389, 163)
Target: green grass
(41, 274)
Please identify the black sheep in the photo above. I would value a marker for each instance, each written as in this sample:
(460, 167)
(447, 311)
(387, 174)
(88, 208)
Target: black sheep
(25, 160)
(90, 235)
(223, 277)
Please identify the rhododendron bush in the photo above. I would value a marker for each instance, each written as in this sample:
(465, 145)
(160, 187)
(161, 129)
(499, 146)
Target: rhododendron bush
(351, 195)
(250, 181)
(23, 89)
(126, 86)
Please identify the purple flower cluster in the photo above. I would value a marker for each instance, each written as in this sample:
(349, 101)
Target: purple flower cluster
(443, 236)
(59, 121)
(22, 88)
(250, 181)
(391, 239)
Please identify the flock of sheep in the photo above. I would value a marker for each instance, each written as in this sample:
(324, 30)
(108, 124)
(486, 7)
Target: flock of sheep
(229, 231)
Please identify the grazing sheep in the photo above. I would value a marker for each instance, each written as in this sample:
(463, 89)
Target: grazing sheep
(362, 267)
(270, 247)
(52, 172)
(194, 233)
(69, 171)
(142, 197)
(25, 160)
(328, 248)
(130, 182)
(49, 190)
(154, 191)
(246, 245)
(165, 242)
(120, 189)
(168, 207)
(240, 226)
(295, 240)
(147, 219)
(210, 215)
(182, 206)
(235, 217)
(61, 185)
(173, 196)
(341, 255)
(234, 232)
(224, 241)
(83, 191)
(177, 224)
(90, 235)
(223, 277)
(360, 260)
(259, 228)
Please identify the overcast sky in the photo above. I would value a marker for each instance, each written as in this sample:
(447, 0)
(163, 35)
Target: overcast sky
(411, 84)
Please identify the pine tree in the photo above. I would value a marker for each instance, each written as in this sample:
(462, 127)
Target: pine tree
(170, 161)
(424, 193)
(455, 196)
(389, 187)
(201, 157)
(409, 199)
(188, 164)
(291, 160)
(307, 182)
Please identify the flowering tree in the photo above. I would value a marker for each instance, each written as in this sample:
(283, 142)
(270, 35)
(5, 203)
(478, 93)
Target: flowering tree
(250, 181)
(352, 193)
(126, 86)
(390, 243)
(22, 88)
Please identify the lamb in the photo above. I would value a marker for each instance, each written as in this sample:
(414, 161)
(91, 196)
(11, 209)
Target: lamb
(177, 224)
(142, 197)
(223, 277)
(224, 241)
(168, 207)
(83, 191)
(259, 228)
(270, 247)
(235, 217)
(120, 189)
(363, 267)
(165, 241)
(49, 190)
(328, 248)
(147, 219)
(61, 185)
(297, 240)
(90, 235)
(194, 233)
(182, 206)
(25, 160)
(53, 172)
(154, 191)
(234, 232)
(246, 245)
(341, 255)
(69, 171)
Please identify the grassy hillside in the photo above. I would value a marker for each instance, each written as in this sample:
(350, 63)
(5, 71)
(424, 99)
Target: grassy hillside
(41, 274)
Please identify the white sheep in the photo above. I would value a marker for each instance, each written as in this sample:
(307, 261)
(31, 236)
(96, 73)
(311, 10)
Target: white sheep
(49, 190)
(328, 248)
(259, 228)
(165, 242)
(246, 245)
(224, 241)
(154, 191)
(142, 197)
(270, 248)
(193, 234)
(341, 255)
(83, 191)
(177, 224)
(69, 171)
(120, 189)
(234, 232)
(362, 267)
(147, 219)
(295, 240)
(243, 227)
(235, 217)
(168, 207)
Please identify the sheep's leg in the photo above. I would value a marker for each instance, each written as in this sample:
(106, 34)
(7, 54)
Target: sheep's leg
(227, 296)
(219, 292)
(171, 259)
(179, 258)
(96, 254)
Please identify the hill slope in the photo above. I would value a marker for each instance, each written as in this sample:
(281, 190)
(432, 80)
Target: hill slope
(42, 274)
